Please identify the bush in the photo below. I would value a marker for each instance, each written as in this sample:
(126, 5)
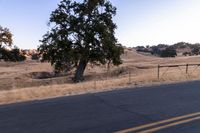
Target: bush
(3, 53)
(145, 50)
(155, 51)
(35, 57)
(169, 52)
(195, 51)
(187, 53)
(13, 55)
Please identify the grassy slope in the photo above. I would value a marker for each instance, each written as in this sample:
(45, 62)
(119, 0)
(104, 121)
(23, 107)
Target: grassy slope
(17, 82)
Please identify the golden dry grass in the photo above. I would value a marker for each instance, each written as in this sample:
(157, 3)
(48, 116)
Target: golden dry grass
(17, 83)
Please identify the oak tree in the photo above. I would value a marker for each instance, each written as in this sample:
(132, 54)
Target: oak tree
(81, 32)
(5, 36)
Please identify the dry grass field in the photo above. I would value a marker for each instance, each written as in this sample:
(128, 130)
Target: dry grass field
(32, 80)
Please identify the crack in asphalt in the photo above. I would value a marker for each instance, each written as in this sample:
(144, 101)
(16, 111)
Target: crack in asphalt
(122, 109)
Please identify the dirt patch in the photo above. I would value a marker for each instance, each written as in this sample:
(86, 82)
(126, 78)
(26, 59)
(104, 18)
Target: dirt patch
(41, 75)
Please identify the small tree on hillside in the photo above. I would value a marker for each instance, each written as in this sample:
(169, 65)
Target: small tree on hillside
(6, 40)
(169, 52)
(5, 37)
(196, 51)
(13, 55)
(81, 33)
(35, 56)
(155, 51)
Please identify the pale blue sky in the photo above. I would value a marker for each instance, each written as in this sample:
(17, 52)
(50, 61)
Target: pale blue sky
(140, 22)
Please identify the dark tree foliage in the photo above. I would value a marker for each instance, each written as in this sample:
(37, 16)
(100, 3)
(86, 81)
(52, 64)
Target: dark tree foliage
(146, 50)
(155, 50)
(5, 37)
(13, 55)
(161, 46)
(169, 52)
(181, 45)
(187, 53)
(6, 41)
(195, 46)
(196, 51)
(35, 57)
(3, 53)
(81, 33)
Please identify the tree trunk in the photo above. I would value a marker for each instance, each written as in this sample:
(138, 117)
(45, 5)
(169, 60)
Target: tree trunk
(80, 71)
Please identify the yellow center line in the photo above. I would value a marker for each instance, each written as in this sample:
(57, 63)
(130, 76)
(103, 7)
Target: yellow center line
(170, 125)
(157, 123)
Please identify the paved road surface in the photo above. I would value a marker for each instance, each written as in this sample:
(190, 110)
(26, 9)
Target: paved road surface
(158, 107)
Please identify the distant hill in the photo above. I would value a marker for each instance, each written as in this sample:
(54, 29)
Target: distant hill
(179, 49)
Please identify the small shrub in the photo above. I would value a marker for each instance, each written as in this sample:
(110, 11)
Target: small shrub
(169, 52)
(14, 55)
(35, 57)
(187, 54)
(119, 71)
(195, 51)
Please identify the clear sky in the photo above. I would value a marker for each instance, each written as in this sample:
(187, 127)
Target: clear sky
(140, 22)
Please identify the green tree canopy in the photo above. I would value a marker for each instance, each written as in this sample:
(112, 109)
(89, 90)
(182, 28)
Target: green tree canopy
(81, 34)
(6, 40)
(12, 55)
(169, 52)
(5, 36)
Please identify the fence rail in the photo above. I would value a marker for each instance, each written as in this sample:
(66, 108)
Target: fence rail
(177, 65)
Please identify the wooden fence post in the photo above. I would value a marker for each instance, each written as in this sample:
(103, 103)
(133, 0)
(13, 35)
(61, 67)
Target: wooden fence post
(95, 82)
(129, 73)
(158, 71)
(187, 68)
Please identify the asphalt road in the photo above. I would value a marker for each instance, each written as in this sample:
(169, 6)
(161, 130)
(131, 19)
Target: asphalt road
(121, 110)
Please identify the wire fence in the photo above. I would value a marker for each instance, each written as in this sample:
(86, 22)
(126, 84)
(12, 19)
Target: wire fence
(184, 69)
(123, 77)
